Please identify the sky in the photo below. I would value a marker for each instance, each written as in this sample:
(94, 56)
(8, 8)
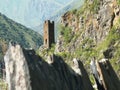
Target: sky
(31, 12)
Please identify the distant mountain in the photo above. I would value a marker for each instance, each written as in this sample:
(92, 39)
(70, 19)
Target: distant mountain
(12, 31)
(33, 13)
(73, 4)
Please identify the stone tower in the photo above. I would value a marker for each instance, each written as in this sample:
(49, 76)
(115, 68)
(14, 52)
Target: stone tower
(48, 33)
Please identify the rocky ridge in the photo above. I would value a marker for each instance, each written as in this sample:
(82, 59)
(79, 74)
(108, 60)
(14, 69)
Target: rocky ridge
(27, 71)
(96, 24)
(91, 31)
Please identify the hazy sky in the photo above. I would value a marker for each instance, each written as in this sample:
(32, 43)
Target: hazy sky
(19, 10)
(32, 12)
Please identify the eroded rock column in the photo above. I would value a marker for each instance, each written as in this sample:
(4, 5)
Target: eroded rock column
(17, 73)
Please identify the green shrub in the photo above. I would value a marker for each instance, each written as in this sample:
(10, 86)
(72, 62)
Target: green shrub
(3, 85)
(67, 34)
(118, 1)
(52, 49)
(94, 6)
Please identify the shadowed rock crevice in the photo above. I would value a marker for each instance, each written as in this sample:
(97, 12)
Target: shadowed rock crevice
(108, 76)
(39, 75)
(105, 76)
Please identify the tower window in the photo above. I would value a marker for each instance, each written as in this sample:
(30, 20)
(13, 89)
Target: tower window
(45, 41)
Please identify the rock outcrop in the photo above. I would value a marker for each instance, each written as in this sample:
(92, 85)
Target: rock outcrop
(108, 77)
(27, 71)
(104, 75)
(94, 31)
(96, 25)
(17, 70)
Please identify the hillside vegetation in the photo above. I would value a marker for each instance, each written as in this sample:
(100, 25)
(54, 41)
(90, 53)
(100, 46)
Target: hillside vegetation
(12, 31)
(94, 31)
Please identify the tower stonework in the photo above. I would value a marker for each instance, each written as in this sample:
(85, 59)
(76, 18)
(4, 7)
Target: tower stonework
(49, 37)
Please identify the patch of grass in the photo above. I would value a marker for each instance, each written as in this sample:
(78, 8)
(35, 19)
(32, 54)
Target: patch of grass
(43, 52)
(109, 40)
(118, 1)
(67, 34)
(94, 6)
(85, 50)
(52, 49)
(115, 61)
(65, 55)
(3, 48)
(74, 11)
(3, 85)
(92, 79)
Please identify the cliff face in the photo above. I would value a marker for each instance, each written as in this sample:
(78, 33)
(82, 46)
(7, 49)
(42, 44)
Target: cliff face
(90, 23)
(91, 31)
(27, 71)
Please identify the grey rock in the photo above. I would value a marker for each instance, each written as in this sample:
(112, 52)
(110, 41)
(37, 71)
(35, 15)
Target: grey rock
(104, 75)
(27, 71)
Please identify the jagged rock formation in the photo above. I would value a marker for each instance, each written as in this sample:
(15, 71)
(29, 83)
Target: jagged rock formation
(95, 26)
(17, 72)
(105, 76)
(109, 78)
(27, 71)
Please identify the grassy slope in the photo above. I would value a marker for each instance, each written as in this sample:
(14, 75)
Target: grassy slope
(12, 31)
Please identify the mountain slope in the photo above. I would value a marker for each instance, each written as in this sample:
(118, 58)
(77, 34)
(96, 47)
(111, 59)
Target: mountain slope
(92, 33)
(12, 31)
